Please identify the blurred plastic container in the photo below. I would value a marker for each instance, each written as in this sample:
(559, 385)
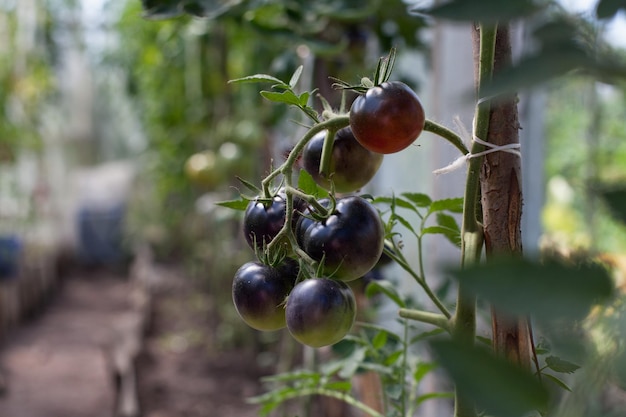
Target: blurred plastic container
(10, 250)
(101, 234)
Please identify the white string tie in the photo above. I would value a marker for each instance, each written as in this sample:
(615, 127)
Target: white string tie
(512, 148)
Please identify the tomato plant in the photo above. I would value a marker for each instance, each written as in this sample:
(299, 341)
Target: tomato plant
(387, 118)
(260, 291)
(320, 311)
(351, 167)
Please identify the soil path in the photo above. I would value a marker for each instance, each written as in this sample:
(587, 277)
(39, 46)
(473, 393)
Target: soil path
(55, 365)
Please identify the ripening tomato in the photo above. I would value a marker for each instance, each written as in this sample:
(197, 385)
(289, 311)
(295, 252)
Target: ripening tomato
(259, 292)
(387, 118)
(351, 167)
(320, 311)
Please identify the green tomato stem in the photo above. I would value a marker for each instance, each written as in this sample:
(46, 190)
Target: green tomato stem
(336, 122)
(438, 320)
(447, 134)
(327, 153)
(464, 321)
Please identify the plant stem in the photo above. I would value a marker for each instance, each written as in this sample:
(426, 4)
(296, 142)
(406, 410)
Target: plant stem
(327, 153)
(435, 319)
(347, 398)
(447, 134)
(336, 122)
(471, 233)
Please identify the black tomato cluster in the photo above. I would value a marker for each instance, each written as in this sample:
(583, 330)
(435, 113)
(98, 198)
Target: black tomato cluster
(318, 311)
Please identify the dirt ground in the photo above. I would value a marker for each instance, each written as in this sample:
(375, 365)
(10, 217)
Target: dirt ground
(55, 365)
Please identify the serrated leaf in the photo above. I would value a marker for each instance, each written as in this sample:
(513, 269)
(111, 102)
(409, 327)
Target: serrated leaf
(485, 11)
(240, 204)
(561, 365)
(454, 205)
(497, 386)
(419, 199)
(404, 223)
(387, 288)
(557, 381)
(258, 78)
(287, 96)
(547, 290)
(295, 77)
(452, 235)
(607, 9)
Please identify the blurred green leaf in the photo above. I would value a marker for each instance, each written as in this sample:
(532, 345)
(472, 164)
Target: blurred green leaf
(615, 199)
(422, 369)
(542, 66)
(379, 340)
(433, 395)
(295, 77)
(561, 365)
(607, 9)
(240, 204)
(386, 288)
(485, 11)
(495, 385)
(419, 199)
(451, 234)
(209, 9)
(162, 9)
(287, 96)
(548, 290)
(455, 205)
(556, 381)
(258, 78)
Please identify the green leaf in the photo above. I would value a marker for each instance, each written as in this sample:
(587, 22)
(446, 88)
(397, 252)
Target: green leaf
(497, 386)
(387, 288)
(404, 222)
(433, 395)
(379, 340)
(295, 77)
(615, 199)
(537, 68)
(454, 205)
(425, 335)
(561, 365)
(209, 9)
(422, 369)
(304, 98)
(339, 386)
(454, 236)
(307, 185)
(419, 199)
(393, 358)
(607, 9)
(287, 96)
(548, 290)
(258, 78)
(240, 204)
(485, 11)
(351, 363)
(396, 202)
(557, 381)
(250, 186)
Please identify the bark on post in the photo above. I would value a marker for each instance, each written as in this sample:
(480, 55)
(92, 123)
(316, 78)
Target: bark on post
(501, 195)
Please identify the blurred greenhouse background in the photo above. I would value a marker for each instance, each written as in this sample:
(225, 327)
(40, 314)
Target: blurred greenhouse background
(118, 134)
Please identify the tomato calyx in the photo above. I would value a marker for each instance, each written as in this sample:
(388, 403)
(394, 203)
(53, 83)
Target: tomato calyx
(381, 75)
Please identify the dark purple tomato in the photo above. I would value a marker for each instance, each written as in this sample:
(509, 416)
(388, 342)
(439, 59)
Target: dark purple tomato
(320, 311)
(387, 118)
(351, 167)
(263, 219)
(350, 240)
(259, 293)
